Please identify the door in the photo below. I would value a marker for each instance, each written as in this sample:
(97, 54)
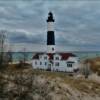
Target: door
(49, 67)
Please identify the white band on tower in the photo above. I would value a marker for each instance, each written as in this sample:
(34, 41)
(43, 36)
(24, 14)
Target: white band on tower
(50, 26)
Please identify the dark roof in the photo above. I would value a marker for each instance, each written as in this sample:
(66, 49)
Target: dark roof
(36, 56)
(64, 56)
(50, 17)
(70, 62)
(50, 55)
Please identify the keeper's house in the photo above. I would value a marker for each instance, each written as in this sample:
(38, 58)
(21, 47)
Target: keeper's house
(51, 60)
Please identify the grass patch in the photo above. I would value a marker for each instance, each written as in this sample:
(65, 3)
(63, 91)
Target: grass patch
(82, 85)
(94, 64)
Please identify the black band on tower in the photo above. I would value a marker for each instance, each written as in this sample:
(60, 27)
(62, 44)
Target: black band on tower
(50, 38)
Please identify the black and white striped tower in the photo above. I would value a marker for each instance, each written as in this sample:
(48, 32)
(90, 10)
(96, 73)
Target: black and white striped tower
(50, 34)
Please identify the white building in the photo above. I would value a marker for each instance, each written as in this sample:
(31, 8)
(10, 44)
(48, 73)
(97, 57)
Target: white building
(51, 60)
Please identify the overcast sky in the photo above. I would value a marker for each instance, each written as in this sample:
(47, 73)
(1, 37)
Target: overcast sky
(77, 22)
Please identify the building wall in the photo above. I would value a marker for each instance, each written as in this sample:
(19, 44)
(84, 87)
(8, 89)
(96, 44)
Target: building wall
(39, 64)
(57, 64)
(63, 66)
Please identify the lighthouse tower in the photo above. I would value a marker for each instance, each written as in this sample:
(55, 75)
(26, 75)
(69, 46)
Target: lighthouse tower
(50, 34)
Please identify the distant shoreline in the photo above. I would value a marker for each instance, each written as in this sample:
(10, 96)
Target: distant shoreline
(17, 62)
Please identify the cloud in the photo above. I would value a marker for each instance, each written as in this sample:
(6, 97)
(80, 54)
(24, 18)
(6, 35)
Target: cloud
(77, 22)
(22, 36)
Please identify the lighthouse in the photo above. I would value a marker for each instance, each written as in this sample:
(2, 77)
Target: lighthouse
(50, 34)
(52, 60)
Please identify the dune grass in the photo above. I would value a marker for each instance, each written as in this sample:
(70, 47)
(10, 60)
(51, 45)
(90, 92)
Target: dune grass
(83, 85)
(94, 64)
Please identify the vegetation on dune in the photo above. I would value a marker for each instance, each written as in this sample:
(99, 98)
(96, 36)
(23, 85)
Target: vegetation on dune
(21, 82)
(94, 64)
(28, 84)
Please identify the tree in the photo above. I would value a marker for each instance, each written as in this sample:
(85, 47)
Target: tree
(10, 56)
(23, 58)
(86, 70)
(2, 42)
(25, 55)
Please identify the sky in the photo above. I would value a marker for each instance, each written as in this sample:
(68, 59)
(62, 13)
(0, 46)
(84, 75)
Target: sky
(77, 22)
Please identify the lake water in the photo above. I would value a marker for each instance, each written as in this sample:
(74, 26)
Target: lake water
(17, 56)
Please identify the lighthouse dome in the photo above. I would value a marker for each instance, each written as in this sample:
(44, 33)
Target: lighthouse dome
(50, 17)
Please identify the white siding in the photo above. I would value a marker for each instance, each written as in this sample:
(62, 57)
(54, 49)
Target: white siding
(63, 66)
(57, 64)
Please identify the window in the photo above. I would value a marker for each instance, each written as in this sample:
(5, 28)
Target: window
(45, 58)
(57, 64)
(35, 62)
(52, 49)
(40, 63)
(45, 63)
(57, 58)
(69, 65)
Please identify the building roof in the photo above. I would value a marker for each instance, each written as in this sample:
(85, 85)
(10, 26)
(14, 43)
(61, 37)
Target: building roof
(50, 17)
(64, 56)
(50, 56)
(36, 56)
